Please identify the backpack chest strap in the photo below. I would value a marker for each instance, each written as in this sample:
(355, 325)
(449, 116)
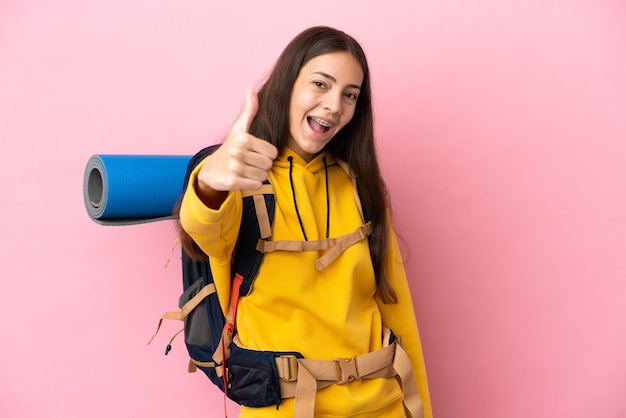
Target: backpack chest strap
(336, 246)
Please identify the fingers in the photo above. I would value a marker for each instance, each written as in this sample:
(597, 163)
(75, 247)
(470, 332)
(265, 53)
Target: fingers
(243, 161)
(259, 156)
(263, 148)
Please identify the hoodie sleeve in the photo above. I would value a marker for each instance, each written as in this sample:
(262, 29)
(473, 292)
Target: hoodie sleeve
(400, 318)
(215, 232)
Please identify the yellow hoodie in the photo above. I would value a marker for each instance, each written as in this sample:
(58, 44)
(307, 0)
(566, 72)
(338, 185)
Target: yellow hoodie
(293, 306)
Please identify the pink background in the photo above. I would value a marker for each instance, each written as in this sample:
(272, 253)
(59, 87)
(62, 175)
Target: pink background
(502, 133)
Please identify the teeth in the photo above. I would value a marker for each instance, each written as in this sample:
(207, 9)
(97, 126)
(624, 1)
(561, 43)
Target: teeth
(322, 122)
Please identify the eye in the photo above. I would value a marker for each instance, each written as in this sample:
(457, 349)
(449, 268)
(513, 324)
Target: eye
(320, 84)
(351, 96)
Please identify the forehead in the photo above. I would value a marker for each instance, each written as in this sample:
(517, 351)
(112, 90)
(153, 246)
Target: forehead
(342, 66)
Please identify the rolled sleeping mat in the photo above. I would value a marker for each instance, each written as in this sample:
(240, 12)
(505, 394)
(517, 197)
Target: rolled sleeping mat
(133, 189)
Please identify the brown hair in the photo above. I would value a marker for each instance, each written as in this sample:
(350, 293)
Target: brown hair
(354, 143)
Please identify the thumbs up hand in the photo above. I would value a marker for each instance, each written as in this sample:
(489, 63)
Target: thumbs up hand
(242, 162)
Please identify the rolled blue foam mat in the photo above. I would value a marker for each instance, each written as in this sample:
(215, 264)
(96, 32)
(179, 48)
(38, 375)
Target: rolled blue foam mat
(133, 189)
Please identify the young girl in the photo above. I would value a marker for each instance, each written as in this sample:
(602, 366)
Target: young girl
(309, 130)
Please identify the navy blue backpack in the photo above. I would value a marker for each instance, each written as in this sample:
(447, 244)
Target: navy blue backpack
(259, 378)
(250, 377)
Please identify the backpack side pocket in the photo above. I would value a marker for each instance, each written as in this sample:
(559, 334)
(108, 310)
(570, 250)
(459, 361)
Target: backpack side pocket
(202, 323)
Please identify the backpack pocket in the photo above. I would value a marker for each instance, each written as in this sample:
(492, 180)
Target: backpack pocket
(197, 321)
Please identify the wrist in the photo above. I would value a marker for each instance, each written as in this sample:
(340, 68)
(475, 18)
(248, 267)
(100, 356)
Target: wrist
(210, 197)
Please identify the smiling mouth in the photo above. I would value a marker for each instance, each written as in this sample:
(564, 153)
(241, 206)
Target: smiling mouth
(319, 125)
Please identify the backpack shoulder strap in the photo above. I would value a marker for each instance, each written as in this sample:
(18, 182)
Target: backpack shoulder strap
(357, 196)
(256, 224)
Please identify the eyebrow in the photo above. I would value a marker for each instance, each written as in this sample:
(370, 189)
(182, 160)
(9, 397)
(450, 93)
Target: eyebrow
(330, 77)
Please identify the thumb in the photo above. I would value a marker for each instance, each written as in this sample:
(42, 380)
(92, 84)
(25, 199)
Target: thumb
(249, 111)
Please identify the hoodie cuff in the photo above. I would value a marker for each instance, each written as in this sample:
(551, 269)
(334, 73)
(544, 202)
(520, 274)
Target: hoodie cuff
(194, 208)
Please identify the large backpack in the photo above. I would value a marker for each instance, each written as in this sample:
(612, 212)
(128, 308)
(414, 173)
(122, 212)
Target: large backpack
(260, 378)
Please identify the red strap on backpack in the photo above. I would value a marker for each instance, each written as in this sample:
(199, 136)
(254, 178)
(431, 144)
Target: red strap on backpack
(230, 328)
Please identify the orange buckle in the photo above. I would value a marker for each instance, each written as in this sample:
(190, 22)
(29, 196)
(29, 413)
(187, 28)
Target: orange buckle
(346, 369)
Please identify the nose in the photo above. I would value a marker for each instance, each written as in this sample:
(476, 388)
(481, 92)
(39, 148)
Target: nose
(333, 103)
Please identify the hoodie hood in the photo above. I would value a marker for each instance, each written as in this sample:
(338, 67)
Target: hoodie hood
(316, 168)
(316, 165)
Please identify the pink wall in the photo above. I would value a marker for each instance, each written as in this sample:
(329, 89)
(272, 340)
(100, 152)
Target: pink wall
(502, 131)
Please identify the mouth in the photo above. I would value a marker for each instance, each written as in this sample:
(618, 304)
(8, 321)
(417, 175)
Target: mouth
(319, 125)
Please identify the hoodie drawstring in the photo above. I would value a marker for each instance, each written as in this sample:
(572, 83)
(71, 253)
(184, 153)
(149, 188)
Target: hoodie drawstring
(293, 192)
(327, 198)
(295, 202)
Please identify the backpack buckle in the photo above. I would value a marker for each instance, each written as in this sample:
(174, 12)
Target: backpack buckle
(287, 366)
(346, 369)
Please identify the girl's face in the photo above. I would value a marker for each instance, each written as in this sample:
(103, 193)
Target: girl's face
(323, 101)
